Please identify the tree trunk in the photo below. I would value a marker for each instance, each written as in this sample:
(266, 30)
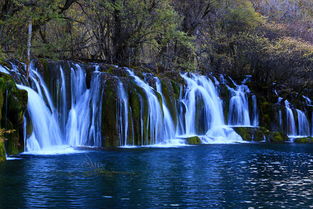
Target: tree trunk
(29, 45)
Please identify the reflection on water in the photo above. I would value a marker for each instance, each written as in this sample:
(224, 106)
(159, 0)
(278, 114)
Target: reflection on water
(213, 176)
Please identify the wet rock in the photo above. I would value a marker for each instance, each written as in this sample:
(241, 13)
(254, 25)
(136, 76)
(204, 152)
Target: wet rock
(13, 104)
(192, 140)
(277, 137)
(252, 133)
(304, 140)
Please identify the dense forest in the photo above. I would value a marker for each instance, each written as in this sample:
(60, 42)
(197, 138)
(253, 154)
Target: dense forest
(270, 39)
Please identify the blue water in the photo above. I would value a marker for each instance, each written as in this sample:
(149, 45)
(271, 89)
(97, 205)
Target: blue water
(212, 176)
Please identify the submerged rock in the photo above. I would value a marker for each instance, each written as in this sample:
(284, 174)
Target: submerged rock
(192, 140)
(260, 134)
(252, 133)
(277, 137)
(304, 140)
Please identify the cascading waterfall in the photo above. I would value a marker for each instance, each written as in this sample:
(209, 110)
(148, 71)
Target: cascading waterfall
(55, 127)
(123, 115)
(291, 125)
(46, 131)
(303, 124)
(200, 89)
(309, 103)
(239, 106)
(168, 124)
(4, 70)
(96, 91)
(73, 116)
(156, 128)
(181, 126)
(202, 92)
(255, 112)
(84, 123)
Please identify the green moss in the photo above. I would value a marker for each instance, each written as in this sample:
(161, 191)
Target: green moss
(304, 140)
(135, 110)
(109, 106)
(13, 103)
(193, 140)
(2, 151)
(251, 133)
(277, 137)
(170, 96)
(139, 107)
(176, 89)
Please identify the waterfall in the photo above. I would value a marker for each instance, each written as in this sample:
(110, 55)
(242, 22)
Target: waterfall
(96, 91)
(255, 112)
(303, 124)
(201, 95)
(155, 113)
(54, 127)
(4, 70)
(239, 106)
(168, 124)
(84, 123)
(63, 102)
(123, 115)
(181, 126)
(202, 92)
(280, 118)
(69, 114)
(46, 131)
(291, 125)
(309, 103)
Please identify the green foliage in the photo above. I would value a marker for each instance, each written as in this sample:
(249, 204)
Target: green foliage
(2, 140)
(242, 17)
(255, 37)
(2, 55)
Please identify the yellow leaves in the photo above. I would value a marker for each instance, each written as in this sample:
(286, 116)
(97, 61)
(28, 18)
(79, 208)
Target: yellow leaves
(3, 132)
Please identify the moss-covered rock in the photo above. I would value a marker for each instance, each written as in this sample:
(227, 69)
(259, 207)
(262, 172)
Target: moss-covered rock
(13, 104)
(252, 133)
(109, 113)
(277, 137)
(304, 140)
(168, 89)
(192, 140)
(2, 151)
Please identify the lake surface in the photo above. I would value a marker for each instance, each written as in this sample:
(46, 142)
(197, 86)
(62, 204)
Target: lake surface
(210, 176)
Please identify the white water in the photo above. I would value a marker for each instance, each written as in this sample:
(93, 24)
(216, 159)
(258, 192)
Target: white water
(57, 130)
(168, 124)
(291, 125)
(303, 124)
(201, 89)
(46, 131)
(74, 119)
(84, 121)
(123, 115)
(157, 131)
(239, 106)
(255, 112)
(4, 70)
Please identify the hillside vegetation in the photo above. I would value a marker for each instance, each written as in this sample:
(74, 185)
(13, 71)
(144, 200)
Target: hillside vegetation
(270, 39)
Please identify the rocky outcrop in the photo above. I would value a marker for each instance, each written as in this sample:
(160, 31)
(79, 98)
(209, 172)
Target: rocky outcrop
(304, 140)
(13, 104)
(260, 134)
